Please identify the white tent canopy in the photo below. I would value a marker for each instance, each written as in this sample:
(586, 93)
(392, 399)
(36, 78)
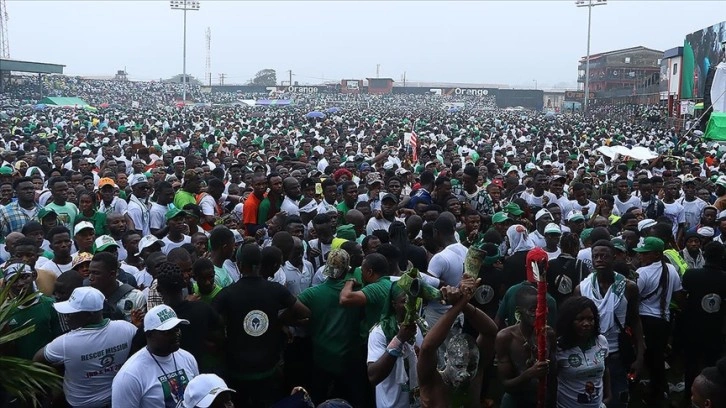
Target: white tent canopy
(636, 153)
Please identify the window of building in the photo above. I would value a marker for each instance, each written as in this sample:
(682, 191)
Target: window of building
(627, 60)
(659, 61)
(675, 68)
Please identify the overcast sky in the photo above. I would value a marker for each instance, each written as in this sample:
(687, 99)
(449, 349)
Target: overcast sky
(493, 42)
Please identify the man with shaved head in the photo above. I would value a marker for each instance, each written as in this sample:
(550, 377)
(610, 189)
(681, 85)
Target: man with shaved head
(293, 194)
(358, 220)
(10, 242)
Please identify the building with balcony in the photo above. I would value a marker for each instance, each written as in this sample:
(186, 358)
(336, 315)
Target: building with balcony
(626, 75)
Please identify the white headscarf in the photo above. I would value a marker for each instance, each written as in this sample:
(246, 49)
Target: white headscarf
(518, 238)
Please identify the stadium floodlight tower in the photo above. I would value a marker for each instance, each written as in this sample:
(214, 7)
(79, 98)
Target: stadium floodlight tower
(589, 4)
(184, 5)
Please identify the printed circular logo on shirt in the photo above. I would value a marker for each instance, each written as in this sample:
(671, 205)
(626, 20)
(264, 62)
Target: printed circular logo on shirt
(575, 360)
(711, 303)
(564, 284)
(107, 360)
(484, 294)
(256, 323)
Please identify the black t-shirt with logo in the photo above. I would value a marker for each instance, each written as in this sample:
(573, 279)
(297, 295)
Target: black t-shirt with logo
(564, 273)
(706, 288)
(250, 309)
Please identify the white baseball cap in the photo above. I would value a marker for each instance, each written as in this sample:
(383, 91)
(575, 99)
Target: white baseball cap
(203, 389)
(83, 299)
(162, 318)
(179, 159)
(138, 179)
(541, 213)
(575, 215)
(81, 226)
(148, 241)
(552, 228)
(646, 223)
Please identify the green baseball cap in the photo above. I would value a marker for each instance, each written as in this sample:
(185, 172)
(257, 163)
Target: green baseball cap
(619, 244)
(499, 217)
(585, 234)
(6, 171)
(44, 212)
(175, 212)
(103, 242)
(651, 244)
(513, 208)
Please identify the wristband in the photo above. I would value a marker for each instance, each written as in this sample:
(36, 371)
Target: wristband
(395, 344)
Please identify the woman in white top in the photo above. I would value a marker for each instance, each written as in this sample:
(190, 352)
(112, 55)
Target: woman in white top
(582, 376)
(391, 356)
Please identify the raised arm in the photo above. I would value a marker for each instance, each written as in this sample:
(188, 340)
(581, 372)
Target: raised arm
(427, 357)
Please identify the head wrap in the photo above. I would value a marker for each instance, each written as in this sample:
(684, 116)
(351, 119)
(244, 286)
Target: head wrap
(518, 239)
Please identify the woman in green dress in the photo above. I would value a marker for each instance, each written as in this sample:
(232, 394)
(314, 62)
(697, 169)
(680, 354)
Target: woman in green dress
(87, 207)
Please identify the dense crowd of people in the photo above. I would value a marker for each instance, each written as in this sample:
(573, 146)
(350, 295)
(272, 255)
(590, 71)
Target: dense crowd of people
(255, 257)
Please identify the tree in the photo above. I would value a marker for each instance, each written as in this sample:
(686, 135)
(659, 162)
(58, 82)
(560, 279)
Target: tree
(265, 77)
(20, 378)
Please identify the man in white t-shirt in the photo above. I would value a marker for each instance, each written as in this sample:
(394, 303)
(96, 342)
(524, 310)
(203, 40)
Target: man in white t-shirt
(389, 202)
(92, 352)
(392, 361)
(446, 266)
(658, 283)
(157, 375)
(176, 221)
(293, 194)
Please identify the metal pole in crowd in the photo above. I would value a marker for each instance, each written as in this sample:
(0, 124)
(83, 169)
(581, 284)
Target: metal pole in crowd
(589, 4)
(184, 5)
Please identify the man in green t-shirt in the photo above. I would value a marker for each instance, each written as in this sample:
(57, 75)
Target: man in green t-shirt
(373, 295)
(188, 193)
(38, 311)
(67, 212)
(204, 286)
(334, 331)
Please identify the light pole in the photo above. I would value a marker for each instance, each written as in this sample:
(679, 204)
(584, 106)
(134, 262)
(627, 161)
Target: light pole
(184, 5)
(535, 84)
(589, 4)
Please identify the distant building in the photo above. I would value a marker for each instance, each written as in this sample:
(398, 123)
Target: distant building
(626, 75)
(380, 86)
(178, 79)
(670, 79)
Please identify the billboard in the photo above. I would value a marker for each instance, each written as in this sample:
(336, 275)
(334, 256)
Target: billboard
(701, 50)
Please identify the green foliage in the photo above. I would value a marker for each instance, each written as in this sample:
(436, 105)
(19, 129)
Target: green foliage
(21, 378)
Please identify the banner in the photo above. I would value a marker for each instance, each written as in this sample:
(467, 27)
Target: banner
(701, 49)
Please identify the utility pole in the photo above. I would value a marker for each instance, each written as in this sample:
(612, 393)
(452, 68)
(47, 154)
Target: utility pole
(589, 4)
(289, 71)
(221, 79)
(184, 5)
(404, 79)
(378, 70)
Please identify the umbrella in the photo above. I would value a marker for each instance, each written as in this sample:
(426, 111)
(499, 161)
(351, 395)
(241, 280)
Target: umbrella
(333, 110)
(104, 105)
(315, 115)
(453, 109)
(39, 107)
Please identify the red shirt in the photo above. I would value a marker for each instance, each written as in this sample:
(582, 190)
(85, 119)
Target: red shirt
(249, 211)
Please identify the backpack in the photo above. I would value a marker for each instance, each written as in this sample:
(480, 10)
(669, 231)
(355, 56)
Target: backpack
(655, 209)
(110, 306)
